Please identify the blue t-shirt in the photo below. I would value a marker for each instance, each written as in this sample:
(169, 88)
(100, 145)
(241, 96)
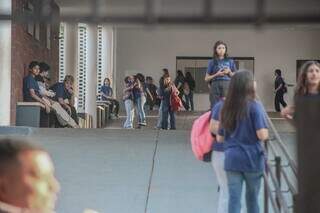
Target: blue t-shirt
(61, 91)
(215, 65)
(243, 149)
(107, 90)
(29, 82)
(215, 115)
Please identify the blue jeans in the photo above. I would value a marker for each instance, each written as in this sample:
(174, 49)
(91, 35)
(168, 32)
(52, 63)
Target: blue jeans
(166, 112)
(141, 101)
(189, 100)
(130, 113)
(253, 184)
(159, 124)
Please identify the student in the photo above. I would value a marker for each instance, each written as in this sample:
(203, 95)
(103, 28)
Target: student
(191, 84)
(308, 86)
(128, 101)
(165, 72)
(43, 81)
(27, 179)
(65, 96)
(169, 88)
(31, 93)
(243, 129)
(140, 98)
(31, 90)
(218, 159)
(219, 71)
(179, 83)
(107, 95)
(152, 94)
(280, 90)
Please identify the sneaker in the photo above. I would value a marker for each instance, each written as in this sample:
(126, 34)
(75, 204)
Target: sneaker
(143, 124)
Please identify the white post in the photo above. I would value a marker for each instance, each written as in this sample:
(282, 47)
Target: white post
(107, 35)
(71, 54)
(5, 64)
(90, 101)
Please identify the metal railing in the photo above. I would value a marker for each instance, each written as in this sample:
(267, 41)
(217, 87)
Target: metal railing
(277, 176)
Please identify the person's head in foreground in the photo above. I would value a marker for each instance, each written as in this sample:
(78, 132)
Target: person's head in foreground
(27, 181)
(309, 79)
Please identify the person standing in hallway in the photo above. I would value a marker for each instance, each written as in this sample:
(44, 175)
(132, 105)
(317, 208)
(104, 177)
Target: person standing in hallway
(179, 83)
(243, 129)
(128, 101)
(280, 90)
(140, 98)
(152, 95)
(191, 84)
(167, 110)
(308, 86)
(165, 72)
(106, 92)
(219, 71)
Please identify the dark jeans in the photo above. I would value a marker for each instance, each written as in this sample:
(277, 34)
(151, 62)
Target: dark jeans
(189, 100)
(166, 111)
(218, 89)
(114, 106)
(279, 100)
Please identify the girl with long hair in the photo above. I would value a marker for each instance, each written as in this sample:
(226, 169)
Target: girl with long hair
(308, 85)
(243, 128)
(219, 72)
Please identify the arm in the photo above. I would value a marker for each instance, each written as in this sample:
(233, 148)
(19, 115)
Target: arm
(214, 126)
(263, 134)
(287, 113)
(209, 77)
(35, 97)
(220, 138)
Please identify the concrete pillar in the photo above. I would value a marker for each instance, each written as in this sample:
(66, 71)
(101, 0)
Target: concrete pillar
(71, 54)
(107, 41)
(90, 101)
(5, 64)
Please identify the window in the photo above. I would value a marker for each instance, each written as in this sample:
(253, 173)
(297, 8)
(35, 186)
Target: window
(49, 37)
(31, 25)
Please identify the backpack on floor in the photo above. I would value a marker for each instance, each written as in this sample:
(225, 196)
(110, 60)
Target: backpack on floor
(201, 137)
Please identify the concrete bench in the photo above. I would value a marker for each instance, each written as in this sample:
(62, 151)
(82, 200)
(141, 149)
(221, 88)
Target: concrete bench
(107, 110)
(31, 114)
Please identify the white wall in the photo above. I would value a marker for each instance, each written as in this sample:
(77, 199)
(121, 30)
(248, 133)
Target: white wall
(149, 50)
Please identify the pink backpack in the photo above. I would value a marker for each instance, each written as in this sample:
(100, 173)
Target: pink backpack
(201, 137)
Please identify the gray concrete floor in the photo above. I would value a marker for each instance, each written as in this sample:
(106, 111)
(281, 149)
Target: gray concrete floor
(132, 171)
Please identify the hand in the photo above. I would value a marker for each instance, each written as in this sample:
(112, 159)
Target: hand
(227, 71)
(287, 113)
(220, 73)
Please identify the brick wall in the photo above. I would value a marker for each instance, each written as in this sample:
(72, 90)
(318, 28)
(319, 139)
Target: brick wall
(26, 48)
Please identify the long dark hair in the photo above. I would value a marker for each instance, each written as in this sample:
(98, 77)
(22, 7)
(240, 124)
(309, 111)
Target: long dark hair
(302, 86)
(215, 54)
(189, 76)
(241, 91)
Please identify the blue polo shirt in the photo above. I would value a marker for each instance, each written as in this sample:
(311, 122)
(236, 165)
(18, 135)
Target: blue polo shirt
(243, 149)
(215, 65)
(215, 115)
(107, 90)
(61, 91)
(29, 82)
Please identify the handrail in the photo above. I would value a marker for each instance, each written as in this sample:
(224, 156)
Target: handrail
(283, 148)
(271, 148)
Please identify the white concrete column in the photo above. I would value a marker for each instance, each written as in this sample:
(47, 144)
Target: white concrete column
(107, 42)
(91, 75)
(71, 55)
(5, 64)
